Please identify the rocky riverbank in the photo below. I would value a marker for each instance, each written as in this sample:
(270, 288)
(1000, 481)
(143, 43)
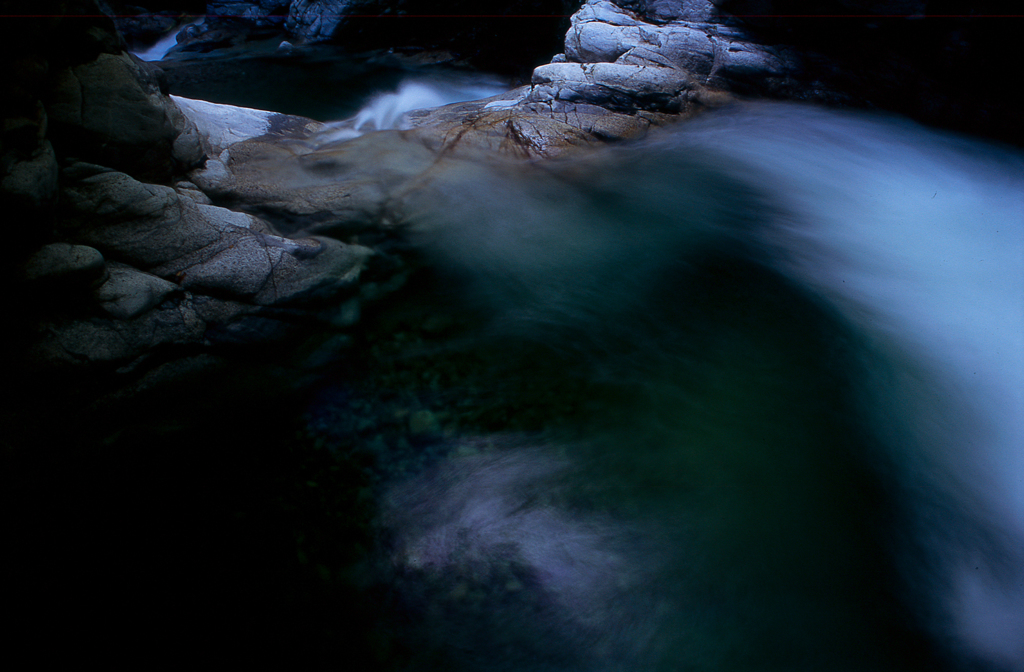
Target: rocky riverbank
(159, 236)
(185, 273)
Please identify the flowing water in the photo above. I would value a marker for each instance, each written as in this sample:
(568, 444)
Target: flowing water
(760, 382)
(385, 110)
(158, 50)
(745, 395)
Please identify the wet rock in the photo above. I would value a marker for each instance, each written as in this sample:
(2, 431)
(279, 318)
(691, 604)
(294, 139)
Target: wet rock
(270, 270)
(523, 124)
(355, 186)
(615, 86)
(301, 185)
(309, 179)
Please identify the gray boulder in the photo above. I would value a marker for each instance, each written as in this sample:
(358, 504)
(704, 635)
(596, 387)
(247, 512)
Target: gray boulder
(146, 225)
(616, 86)
(32, 181)
(672, 10)
(110, 111)
(107, 340)
(657, 55)
(316, 20)
(154, 269)
(202, 248)
(219, 126)
(64, 264)
(337, 188)
(271, 270)
(128, 292)
(268, 12)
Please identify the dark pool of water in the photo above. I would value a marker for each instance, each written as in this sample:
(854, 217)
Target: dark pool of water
(320, 82)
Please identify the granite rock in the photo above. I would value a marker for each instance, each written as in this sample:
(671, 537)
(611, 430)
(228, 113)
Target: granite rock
(111, 111)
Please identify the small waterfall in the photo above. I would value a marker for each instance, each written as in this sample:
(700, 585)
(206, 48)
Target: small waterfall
(158, 50)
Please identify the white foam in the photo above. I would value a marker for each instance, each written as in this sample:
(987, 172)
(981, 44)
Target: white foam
(387, 110)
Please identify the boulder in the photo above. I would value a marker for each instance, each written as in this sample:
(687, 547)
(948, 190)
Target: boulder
(202, 248)
(270, 270)
(337, 188)
(146, 225)
(65, 265)
(262, 12)
(660, 11)
(316, 20)
(615, 86)
(128, 292)
(33, 179)
(332, 184)
(110, 341)
(658, 56)
(111, 111)
(219, 126)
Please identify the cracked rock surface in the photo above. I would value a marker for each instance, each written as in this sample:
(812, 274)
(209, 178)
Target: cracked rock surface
(663, 56)
(277, 221)
(197, 225)
(118, 274)
(177, 269)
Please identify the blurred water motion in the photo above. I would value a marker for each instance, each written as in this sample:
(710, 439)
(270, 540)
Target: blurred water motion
(386, 110)
(160, 48)
(793, 346)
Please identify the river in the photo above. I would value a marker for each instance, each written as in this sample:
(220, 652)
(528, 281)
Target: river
(745, 395)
